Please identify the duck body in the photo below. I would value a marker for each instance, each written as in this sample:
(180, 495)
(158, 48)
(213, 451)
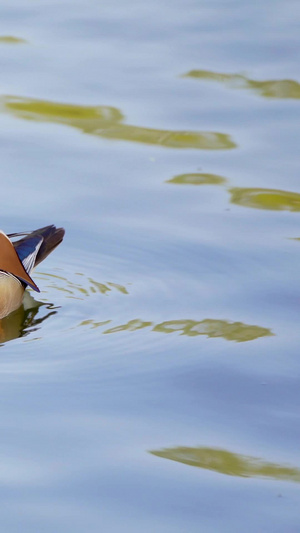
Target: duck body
(17, 260)
(11, 294)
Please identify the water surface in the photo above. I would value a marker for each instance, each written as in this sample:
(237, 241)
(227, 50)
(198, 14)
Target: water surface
(153, 384)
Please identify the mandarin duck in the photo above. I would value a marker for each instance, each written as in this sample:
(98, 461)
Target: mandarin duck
(17, 260)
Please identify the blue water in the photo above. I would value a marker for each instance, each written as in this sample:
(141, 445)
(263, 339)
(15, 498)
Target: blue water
(153, 385)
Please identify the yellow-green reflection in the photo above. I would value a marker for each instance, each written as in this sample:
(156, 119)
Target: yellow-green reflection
(24, 320)
(85, 288)
(94, 324)
(9, 39)
(107, 122)
(271, 199)
(132, 325)
(231, 331)
(267, 89)
(197, 179)
(231, 464)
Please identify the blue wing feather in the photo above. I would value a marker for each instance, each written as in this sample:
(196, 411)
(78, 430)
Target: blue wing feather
(27, 251)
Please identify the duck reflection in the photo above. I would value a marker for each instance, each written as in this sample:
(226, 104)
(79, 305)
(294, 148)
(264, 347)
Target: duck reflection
(229, 463)
(26, 319)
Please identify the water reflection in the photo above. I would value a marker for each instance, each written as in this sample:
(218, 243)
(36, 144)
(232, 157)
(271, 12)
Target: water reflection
(267, 89)
(231, 464)
(271, 199)
(107, 122)
(76, 290)
(24, 320)
(257, 198)
(197, 179)
(9, 39)
(231, 331)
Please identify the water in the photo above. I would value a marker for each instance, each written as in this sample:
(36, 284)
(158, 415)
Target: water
(153, 384)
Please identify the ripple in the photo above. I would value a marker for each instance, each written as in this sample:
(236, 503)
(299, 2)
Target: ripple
(228, 463)
(78, 290)
(29, 317)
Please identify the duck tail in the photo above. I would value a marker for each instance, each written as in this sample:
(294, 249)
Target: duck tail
(52, 237)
